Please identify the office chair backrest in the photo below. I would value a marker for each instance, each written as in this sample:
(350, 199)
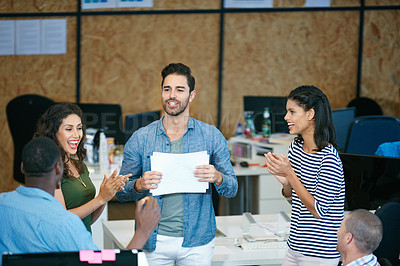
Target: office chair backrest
(23, 112)
(366, 133)
(342, 119)
(389, 247)
(365, 106)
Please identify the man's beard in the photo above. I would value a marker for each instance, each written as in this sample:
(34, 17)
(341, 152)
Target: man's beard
(176, 111)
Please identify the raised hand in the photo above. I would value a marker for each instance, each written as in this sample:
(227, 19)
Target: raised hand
(112, 185)
(279, 167)
(147, 216)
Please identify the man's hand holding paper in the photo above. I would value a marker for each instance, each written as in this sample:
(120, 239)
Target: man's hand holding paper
(208, 173)
(149, 180)
(178, 172)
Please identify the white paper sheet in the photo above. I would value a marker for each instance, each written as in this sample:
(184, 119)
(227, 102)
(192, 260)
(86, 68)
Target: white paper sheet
(91, 4)
(54, 36)
(28, 36)
(317, 3)
(7, 42)
(248, 3)
(177, 170)
(133, 3)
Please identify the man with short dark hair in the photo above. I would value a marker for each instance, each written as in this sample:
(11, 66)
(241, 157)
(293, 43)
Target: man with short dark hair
(32, 220)
(186, 232)
(358, 236)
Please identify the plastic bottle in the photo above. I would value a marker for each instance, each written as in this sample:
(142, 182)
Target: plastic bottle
(239, 130)
(266, 126)
(249, 130)
(103, 155)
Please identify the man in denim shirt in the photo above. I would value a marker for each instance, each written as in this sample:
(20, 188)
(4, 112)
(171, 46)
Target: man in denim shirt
(185, 234)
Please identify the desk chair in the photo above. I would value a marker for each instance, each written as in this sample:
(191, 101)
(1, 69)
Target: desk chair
(365, 106)
(23, 112)
(342, 119)
(389, 247)
(366, 133)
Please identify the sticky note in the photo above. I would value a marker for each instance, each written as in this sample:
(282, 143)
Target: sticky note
(96, 258)
(86, 255)
(108, 255)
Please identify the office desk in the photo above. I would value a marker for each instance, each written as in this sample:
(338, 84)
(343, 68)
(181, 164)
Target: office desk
(247, 196)
(259, 191)
(117, 234)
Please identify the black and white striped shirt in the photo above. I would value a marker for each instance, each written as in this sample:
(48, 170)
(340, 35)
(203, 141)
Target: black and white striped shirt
(321, 174)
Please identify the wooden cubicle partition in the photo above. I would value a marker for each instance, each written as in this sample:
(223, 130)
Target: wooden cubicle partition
(267, 53)
(53, 76)
(381, 57)
(273, 53)
(122, 58)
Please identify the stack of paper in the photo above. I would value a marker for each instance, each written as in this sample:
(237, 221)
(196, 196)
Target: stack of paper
(178, 172)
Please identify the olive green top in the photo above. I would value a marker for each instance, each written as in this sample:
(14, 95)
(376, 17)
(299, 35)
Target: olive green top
(76, 194)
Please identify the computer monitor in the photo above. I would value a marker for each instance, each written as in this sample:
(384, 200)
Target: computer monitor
(277, 109)
(342, 119)
(135, 121)
(122, 257)
(104, 116)
(371, 181)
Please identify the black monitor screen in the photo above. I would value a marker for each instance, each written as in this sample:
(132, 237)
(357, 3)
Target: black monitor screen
(342, 119)
(135, 121)
(104, 116)
(277, 108)
(371, 181)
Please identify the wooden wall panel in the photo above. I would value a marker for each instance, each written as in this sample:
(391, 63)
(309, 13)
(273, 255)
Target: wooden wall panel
(173, 5)
(53, 76)
(37, 6)
(381, 57)
(337, 3)
(122, 58)
(269, 54)
(382, 2)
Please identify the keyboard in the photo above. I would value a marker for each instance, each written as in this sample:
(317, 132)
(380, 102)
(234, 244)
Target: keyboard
(256, 245)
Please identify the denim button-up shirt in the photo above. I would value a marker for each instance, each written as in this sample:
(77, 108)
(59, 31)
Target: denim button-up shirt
(199, 226)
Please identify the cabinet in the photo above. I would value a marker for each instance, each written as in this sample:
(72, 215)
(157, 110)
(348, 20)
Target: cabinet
(270, 199)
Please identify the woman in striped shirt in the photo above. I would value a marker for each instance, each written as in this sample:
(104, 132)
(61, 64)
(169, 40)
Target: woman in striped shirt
(312, 179)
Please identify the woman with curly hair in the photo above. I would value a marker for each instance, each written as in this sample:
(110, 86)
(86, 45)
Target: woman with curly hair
(62, 123)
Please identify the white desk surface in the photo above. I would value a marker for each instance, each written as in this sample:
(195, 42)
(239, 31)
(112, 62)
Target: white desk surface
(250, 171)
(120, 233)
